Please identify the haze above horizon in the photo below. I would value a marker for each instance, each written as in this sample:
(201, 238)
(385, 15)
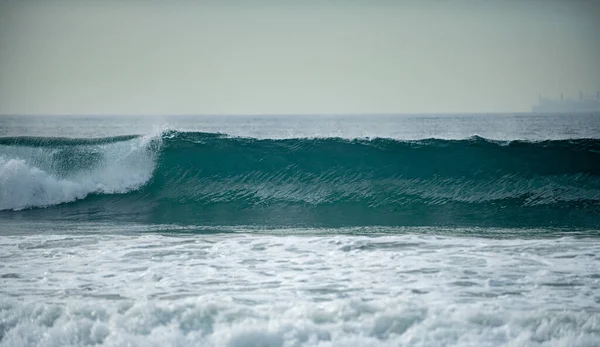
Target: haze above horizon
(273, 58)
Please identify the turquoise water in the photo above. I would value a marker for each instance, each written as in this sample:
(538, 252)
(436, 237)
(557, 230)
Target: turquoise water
(193, 178)
(450, 230)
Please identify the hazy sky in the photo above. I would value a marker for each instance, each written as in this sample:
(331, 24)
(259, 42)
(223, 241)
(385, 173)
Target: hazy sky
(293, 57)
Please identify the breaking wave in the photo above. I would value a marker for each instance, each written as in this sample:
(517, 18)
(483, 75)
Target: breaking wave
(213, 179)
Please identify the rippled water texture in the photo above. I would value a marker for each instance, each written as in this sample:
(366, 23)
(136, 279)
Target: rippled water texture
(269, 290)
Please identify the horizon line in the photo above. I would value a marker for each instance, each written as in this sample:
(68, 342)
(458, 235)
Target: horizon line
(490, 113)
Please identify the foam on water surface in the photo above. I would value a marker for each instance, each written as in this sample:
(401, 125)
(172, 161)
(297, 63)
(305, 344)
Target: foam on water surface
(269, 290)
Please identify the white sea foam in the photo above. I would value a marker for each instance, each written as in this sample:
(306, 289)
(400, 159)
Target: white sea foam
(339, 323)
(279, 291)
(31, 177)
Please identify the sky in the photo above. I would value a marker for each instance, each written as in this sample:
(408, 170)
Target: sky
(294, 57)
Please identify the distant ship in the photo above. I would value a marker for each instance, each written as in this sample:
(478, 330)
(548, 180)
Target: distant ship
(583, 104)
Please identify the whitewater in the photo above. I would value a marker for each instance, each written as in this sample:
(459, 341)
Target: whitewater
(439, 230)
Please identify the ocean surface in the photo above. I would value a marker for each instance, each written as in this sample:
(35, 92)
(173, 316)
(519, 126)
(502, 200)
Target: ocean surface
(372, 230)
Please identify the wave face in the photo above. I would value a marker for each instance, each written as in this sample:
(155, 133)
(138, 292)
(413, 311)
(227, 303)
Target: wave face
(214, 179)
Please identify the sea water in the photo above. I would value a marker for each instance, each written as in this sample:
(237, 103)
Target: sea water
(437, 230)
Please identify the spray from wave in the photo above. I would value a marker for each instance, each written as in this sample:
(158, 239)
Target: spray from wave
(46, 172)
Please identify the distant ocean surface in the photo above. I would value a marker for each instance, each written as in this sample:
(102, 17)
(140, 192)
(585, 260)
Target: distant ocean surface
(373, 230)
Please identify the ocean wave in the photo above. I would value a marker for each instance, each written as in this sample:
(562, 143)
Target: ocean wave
(191, 177)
